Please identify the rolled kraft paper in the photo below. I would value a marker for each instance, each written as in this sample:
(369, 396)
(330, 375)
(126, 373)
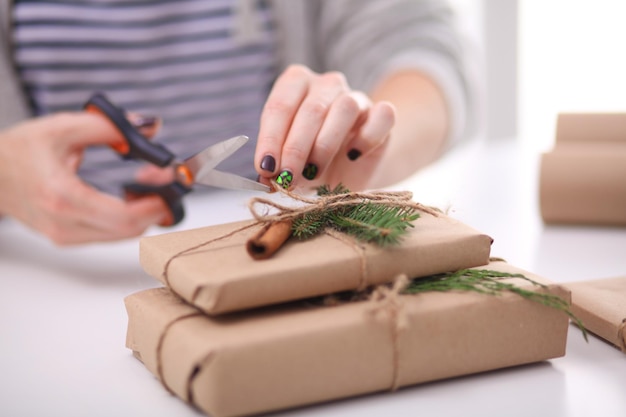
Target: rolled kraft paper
(222, 277)
(584, 184)
(591, 128)
(293, 355)
(601, 305)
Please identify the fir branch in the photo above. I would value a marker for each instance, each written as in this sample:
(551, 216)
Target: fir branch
(367, 221)
(325, 189)
(491, 283)
(377, 223)
(308, 225)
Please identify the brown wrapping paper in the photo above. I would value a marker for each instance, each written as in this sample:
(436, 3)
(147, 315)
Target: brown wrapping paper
(293, 355)
(591, 128)
(221, 277)
(601, 305)
(584, 184)
(583, 179)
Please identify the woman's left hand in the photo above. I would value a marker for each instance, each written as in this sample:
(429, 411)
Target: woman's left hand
(316, 130)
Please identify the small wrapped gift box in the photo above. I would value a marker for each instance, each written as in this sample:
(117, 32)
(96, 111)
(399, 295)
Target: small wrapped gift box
(303, 353)
(220, 276)
(601, 305)
(583, 179)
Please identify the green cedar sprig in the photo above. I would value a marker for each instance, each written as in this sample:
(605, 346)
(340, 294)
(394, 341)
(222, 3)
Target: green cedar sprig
(367, 221)
(490, 282)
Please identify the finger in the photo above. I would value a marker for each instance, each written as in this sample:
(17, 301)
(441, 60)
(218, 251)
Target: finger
(344, 114)
(278, 113)
(374, 131)
(84, 129)
(129, 220)
(154, 175)
(307, 123)
(95, 216)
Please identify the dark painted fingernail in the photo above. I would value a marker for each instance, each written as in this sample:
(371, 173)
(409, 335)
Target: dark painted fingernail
(268, 163)
(310, 171)
(145, 121)
(284, 179)
(354, 154)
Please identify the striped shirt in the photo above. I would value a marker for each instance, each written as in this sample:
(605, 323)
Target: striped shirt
(187, 61)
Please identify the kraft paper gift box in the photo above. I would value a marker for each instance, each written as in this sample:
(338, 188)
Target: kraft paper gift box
(583, 179)
(601, 305)
(297, 354)
(221, 277)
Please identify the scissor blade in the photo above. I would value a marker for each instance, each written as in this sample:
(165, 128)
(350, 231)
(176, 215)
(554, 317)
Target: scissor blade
(208, 158)
(227, 180)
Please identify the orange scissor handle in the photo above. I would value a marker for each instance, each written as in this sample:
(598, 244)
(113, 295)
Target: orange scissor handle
(131, 143)
(121, 146)
(184, 175)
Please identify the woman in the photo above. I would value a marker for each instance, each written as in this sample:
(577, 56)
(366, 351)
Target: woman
(358, 92)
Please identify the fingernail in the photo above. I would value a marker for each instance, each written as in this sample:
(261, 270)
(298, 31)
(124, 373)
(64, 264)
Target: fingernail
(268, 163)
(310, 171)
(145, 121)
(284, 179)
(354, 154)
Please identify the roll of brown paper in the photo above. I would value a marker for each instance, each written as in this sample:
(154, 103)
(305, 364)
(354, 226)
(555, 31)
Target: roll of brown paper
(591, 128)
(584, 183)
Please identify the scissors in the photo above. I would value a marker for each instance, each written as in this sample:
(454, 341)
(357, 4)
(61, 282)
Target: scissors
(197, 169)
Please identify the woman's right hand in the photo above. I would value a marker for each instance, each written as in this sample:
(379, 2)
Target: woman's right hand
(39, 185)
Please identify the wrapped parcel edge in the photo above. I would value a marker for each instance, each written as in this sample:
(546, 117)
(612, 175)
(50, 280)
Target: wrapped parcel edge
(221, 277)
(293, 355)
(601, 305)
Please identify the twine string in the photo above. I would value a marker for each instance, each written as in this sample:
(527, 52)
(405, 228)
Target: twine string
(401, 199)
(388, 300)
(182, 252)
(161, 343)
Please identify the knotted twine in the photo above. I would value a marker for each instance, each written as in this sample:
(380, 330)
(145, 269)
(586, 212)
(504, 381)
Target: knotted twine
(400, 199)
(387, 300)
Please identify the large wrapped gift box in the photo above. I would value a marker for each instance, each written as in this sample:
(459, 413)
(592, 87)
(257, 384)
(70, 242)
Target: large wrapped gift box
(220, 276)
(302, 353)
(601, 305)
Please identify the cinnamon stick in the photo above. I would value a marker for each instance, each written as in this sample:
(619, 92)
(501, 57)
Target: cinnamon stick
(269, 239)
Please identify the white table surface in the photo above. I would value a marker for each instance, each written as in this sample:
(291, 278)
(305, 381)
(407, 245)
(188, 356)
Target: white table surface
(63, 322)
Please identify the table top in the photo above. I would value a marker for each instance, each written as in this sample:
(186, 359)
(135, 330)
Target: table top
(63, 320)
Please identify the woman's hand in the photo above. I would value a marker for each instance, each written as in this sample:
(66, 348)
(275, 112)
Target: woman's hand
(316, 130)
(40, 188)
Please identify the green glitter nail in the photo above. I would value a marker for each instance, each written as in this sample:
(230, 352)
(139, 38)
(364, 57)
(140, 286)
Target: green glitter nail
(310, 171)
(284, 179)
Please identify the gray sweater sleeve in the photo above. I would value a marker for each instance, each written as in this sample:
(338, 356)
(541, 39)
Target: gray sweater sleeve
(369, 39)
(365, 39)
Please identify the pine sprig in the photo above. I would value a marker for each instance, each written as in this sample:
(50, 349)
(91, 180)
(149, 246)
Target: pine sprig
(491, 283)
(325, 189)
(308, 225)
(367, 221)
(375, 223)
